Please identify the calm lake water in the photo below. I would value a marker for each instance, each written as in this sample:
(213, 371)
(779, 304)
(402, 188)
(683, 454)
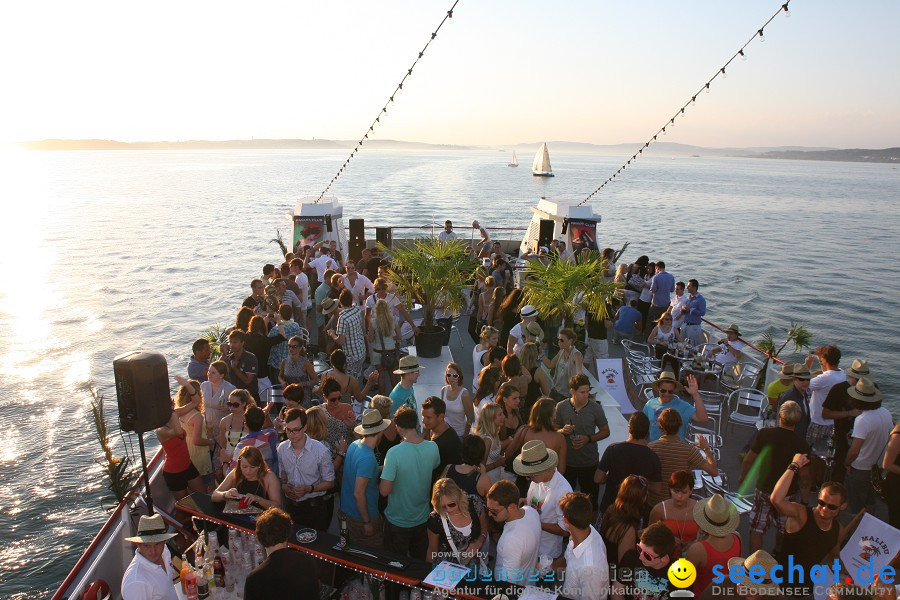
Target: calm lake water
(113, 251)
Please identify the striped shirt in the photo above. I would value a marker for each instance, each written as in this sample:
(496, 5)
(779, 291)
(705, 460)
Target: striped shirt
(674, 455)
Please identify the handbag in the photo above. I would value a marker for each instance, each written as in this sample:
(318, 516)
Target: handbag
(390, 359)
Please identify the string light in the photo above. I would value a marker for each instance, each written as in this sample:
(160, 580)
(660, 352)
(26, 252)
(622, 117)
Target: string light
(787, 13)
(671, 123)
(448, 18)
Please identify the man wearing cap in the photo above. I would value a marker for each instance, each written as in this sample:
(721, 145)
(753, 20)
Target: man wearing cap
(838, 406)
(729, 350)
(762, 563)
(781, 385)
(403, 394)
(538, 464)
(799, 393)
(277, 575)
(519, 544)
(447, 233)
(585, 563)
(513, 343)
(150, 574)
(719, 519)
(693, 312)
(666, 388)
(406, 481)
(820, 428)
(771, 451)
(869, 438)
(583, 423)
(359, 491)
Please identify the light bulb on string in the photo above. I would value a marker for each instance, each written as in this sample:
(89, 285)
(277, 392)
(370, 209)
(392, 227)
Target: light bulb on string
(693, 99)
(707, 88)
(762, 38)
(450, 17)
(787, 13)
(722, 71)
(742, 55)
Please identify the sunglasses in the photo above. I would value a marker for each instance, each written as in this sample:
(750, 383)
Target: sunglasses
(453, 375)
(495, 511)
(640, 479)
(334, 398)
(293, 429)
(827, 505)
(666, 392)
(233, 404)
(646, 555)
(449, 505)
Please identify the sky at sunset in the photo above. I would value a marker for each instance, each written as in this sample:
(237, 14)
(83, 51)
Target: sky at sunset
(505, 71)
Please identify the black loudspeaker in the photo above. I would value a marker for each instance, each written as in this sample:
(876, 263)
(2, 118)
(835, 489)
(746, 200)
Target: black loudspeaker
(545, 236)
(328, 223)
(357, 229)
(356, 248)
(142, 388)
(384, 235)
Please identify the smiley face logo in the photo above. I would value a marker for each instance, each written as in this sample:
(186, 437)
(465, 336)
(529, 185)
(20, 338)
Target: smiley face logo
(682, 573)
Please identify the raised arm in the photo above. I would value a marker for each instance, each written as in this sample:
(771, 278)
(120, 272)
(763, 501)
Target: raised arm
(700, 409)
(779, 500)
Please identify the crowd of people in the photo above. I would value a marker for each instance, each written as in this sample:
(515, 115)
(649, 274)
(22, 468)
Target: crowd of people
(503, 473)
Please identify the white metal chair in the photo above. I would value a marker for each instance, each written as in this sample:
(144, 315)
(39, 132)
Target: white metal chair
(638, 349)
(746, 406)
(739, 375)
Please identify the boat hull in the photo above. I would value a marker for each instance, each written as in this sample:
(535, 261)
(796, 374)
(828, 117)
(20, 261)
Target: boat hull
(543, 174)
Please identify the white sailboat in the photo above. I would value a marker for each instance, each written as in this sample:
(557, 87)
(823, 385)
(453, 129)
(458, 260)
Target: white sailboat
(514, 162)
(541, 165)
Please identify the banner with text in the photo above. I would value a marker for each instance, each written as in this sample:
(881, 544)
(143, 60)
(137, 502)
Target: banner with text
(611, 377)
(869, 548)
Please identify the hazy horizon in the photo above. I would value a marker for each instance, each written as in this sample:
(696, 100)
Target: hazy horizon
(581, 71)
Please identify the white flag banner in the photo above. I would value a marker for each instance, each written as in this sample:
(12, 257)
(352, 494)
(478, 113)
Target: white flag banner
(611, 377)
(869, 549)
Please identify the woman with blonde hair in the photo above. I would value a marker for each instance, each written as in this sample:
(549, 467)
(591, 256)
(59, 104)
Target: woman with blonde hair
(485, 299)
(332, 432)
(540, 384)
(540, 427)
(490, 421)
(485, 392)
(194, 425)
(455, 531)
(232, 427)
(215, 391)
(495, 315)
(384, 335)
(567, 362)
(460, 413)
(251, 479)
(490, 337)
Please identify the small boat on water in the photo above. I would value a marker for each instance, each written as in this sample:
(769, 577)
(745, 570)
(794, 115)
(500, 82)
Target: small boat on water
(514, 162)
(541, 165)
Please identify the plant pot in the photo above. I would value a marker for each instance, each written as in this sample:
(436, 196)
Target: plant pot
(429, 343)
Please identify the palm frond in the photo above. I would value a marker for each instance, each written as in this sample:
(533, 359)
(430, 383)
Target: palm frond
(215, 336)
(620, 252)
(560, 288)
(766, 343)
(120, 476)
(280, 241)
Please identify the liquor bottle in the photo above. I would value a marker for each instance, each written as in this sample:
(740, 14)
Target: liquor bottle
(209, 575)
(202, 586)
(185, 569)
(219, 571)
(345, 535)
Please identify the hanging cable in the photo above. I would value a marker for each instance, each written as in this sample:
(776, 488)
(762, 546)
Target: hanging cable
(383, 111)
(693, 99)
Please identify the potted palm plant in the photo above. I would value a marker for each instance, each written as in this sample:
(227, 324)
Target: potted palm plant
(432, 273)
(560, 289)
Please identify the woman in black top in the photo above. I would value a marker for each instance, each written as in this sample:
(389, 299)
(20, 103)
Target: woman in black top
(259, 344)
(471, 476)
(455, 530)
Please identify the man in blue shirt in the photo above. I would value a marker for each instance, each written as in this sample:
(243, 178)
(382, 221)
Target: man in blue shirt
(666, 387)
(359, 493)
(628, 322)
(661, 287)
(693, 313)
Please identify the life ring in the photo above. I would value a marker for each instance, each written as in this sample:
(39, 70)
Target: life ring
(98, 590)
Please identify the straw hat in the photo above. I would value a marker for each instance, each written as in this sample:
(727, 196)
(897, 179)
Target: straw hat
(667, 377)
(859, 369)
(716, 516)
(535, 458)
(408, 364)
(529, 311)
(787, 371)
(733, 328)
(372, 422)
(865, 390)
(328, 306)
(534, 329)
(801, 371)
(763, 559)
(151, 529)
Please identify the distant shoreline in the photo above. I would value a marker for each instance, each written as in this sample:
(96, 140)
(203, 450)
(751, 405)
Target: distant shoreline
(886, 155)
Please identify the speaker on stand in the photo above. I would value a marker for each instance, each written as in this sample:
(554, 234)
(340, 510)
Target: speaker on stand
(385, 236)
(142, 392)
(545, 234)
(357, 229)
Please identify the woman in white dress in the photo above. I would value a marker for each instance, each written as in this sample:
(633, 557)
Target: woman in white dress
(460, 413)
